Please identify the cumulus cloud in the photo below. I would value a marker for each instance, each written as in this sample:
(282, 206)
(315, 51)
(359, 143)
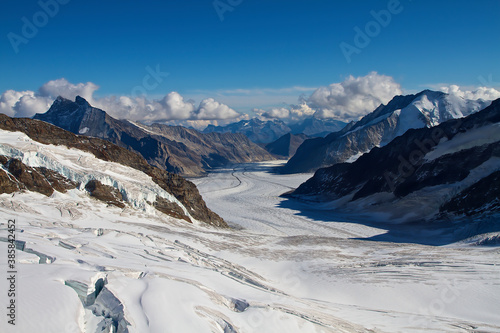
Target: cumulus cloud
(210, 109)
(280, 113)
(291, 114)
(23, 103)
(357, 96)
(347, 100)
(66, 89)
(354, 97)
(172, 106)
(484, 93)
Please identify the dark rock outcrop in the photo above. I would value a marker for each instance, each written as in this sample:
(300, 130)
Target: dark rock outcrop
(171, 209)
(483, 196)
(56, 180)
(7, 184)
(25, 178)
(108, 194)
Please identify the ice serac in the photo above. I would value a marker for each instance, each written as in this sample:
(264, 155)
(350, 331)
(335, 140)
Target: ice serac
(173, 148)
(39, 169)
(425, 109)
(445, 172)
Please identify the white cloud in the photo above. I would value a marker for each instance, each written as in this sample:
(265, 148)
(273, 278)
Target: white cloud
(347, 100)
(280, 113)
(171, 107)
(357, 96)
(23, 103)
(210, 109)
(354, 97)
(476, 93)
(64, 88)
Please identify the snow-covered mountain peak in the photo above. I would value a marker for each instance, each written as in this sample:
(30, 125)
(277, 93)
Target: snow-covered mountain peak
(425, 109)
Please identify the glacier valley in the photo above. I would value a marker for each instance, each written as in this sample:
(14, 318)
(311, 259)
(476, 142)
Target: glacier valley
(86, 267)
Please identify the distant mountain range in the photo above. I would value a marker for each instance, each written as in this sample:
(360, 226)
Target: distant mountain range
(315, 127)
(34, 157)
(260, 131)
(425, 109)
(448, 172)
(176, 149)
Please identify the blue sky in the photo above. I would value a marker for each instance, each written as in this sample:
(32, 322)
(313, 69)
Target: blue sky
(257, 54)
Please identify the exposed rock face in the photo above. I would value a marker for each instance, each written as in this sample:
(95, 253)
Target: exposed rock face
(287, 145)
(173, 148)
(19, 176)
(43, 132)
(23, 177)
(8, 184)
(426, 109)
(483, 196)
(56, 180)
(457, 153)
(105, 193)
(171, 208)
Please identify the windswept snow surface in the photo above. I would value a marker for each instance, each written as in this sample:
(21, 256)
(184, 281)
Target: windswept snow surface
(279, 271)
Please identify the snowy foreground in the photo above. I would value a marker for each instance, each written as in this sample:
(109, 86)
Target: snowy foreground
(278, 270)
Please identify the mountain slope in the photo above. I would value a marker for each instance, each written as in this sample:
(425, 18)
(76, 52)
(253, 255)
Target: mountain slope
(422, 174)
(426, 109)
(176, 149)
(287, 145)
(41, 157)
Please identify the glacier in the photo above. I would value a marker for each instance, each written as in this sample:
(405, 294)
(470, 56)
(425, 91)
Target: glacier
(276, 270)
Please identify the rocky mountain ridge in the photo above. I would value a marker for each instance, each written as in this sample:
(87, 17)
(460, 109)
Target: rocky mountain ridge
(425, 109)
(176, 149)
(448, 171)
(185, 203)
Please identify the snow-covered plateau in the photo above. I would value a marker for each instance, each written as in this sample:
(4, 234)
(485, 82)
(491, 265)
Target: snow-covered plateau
(83, 266)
